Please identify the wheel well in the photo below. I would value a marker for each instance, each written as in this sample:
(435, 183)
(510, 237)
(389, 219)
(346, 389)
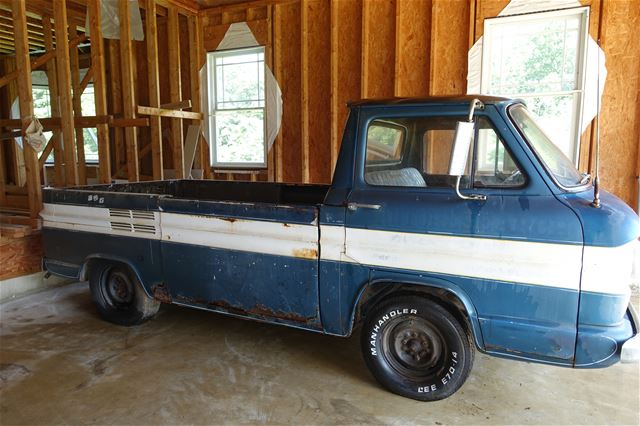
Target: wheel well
(377, 292)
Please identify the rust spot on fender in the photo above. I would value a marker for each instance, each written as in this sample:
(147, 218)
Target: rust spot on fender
(161, 293)
(305, 253)
(228, 219)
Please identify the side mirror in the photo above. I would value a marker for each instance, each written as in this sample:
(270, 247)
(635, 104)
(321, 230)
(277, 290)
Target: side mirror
(465, 132)
(461, 144)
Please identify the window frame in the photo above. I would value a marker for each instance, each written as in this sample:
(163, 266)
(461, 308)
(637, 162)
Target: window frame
(581, 64)
(472, 159)
(507, 149)
(213, 110)
(402, 142)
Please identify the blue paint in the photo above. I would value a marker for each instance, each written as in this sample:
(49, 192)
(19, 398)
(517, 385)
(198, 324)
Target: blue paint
(277, 288)
(611, 225)
(600, 346)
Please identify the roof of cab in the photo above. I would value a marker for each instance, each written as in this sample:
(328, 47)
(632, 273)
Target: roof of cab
(430, 100)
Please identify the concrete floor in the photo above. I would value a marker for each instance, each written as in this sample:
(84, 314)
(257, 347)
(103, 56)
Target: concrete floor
(59, 363)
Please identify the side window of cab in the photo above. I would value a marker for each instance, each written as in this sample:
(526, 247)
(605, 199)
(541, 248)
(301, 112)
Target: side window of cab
(415, 152)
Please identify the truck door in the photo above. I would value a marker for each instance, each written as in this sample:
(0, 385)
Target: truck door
(517, 254)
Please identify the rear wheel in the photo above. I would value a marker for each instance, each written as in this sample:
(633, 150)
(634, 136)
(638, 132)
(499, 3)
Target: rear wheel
(119, 296)
(416, 348)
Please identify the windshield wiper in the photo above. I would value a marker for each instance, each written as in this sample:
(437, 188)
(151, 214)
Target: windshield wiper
(585, 178)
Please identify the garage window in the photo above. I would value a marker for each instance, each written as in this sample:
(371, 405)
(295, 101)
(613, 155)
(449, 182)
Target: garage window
(540, 57)
(237, 122)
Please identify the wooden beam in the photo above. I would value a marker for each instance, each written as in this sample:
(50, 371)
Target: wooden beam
(51, 123)
(115, 90)
(128, 122)
(128, 92)
(52, 77)
(316, 99)
(186, 104)
(23, 64)
(287, 27)
(86, 80)
(154, 89)
(45, 153)
(194, 79)
(346, 51)
(64, 88)
(160, 112)
(175, 90)
(74, 64)
(99, 89)
(35, 64)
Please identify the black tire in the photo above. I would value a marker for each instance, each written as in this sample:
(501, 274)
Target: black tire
(119, 296)
(415, 348)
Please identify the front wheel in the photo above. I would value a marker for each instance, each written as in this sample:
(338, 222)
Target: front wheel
(119, 296)
(416, 348)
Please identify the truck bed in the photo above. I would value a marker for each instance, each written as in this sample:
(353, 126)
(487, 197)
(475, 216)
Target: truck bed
(212, 190)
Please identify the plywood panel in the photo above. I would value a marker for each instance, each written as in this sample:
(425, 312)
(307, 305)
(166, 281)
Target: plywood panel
(620, 129)
(346, 65)
(449, 47)
(413, 29)
(378, 48)
(287, 49)
(20, 256)
(316, 92)
(486, 9)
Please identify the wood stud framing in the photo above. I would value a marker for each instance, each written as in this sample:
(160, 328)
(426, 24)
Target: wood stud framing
(52, 78)
(175, 88)
(34, 191)
(128, 92)
(99, 90)
(151, 37)
(64, 88)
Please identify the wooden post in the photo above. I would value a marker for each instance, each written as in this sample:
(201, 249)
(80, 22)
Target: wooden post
(77, 105)
(99, 90)
(64, 87)
(175, 89)
(23, 63)
(128, 94)
(115, 88)
(52, 77)
(194, 58)
(154, 89)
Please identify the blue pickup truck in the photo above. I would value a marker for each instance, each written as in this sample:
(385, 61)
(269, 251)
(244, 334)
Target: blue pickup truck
(451, 225)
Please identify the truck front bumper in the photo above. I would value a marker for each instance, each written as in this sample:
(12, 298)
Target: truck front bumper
(631, 348)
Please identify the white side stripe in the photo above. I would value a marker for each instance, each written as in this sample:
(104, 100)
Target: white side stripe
(553, 265)
(274, 238)
(609, 269)
(604, 269)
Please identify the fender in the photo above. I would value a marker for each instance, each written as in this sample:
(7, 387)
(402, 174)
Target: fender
(82, 275)
(422, 281)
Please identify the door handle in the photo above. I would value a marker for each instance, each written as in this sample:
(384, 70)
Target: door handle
(355, 206)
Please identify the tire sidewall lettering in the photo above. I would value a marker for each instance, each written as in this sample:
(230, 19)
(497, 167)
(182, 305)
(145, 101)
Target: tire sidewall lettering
(381, 322)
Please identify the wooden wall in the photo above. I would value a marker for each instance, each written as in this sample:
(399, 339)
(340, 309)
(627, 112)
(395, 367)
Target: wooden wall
(326, 52)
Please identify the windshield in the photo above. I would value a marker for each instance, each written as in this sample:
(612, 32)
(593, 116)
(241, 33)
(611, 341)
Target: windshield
(556, 162)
